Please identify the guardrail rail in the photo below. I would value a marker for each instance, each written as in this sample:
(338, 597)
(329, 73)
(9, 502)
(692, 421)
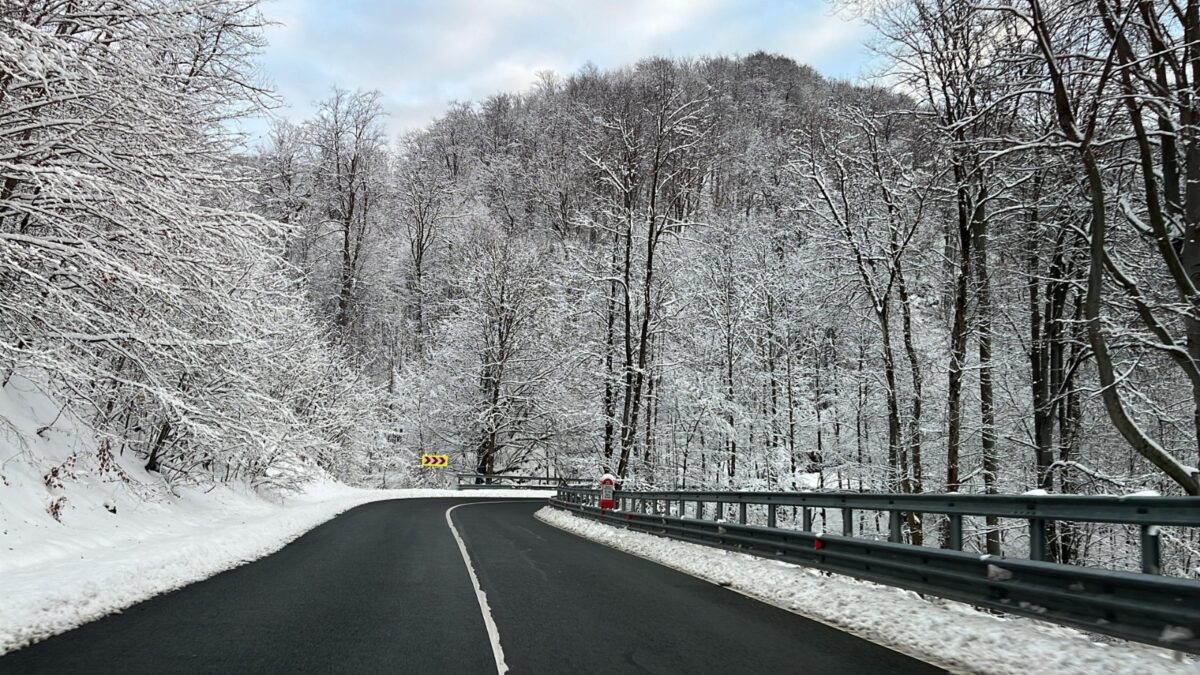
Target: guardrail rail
(480, 481)
(1146, 607)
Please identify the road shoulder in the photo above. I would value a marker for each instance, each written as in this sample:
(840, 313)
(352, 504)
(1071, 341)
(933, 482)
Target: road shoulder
(948, 634)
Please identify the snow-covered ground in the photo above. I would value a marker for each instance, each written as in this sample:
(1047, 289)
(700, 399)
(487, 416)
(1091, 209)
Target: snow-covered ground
(81, 536)
(59, 582)
(952, 635)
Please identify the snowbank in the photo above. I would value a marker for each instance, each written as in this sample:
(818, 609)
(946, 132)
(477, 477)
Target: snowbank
(54, 585)
(952, 635)
(84, 533)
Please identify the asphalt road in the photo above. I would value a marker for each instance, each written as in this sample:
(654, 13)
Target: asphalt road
(383, 589)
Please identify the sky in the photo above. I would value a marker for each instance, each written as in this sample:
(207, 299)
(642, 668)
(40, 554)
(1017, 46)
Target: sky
(422, 55)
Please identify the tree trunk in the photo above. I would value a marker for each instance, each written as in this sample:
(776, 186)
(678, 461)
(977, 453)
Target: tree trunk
(958, 348)
(916, 480)
(609, 352)
(987, 406)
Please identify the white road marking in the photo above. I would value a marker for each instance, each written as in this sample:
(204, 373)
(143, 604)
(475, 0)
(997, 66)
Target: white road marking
(488, 621)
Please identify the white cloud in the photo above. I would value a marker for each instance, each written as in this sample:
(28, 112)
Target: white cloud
(422, 55)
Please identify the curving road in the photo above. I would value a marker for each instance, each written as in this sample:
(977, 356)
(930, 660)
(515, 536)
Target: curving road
(384, 588)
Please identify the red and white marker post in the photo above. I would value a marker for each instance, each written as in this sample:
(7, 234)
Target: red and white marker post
(608, 485)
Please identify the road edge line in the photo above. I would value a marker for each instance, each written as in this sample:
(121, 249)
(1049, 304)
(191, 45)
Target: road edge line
(874, 639)
(488, 622)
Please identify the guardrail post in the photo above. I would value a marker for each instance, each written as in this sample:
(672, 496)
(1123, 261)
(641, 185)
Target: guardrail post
(894, 534)
(806, 519)
(848, 522)
(1151, 550)
(1037, 539)
(770, 515)
(699, 510)
(956, 531)
(682, 508)
(742, 513)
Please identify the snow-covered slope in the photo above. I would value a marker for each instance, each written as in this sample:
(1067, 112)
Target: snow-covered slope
(62, 493)
(83, 535)
(62, 581)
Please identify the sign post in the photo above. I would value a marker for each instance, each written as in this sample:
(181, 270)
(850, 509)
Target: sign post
(608, 484)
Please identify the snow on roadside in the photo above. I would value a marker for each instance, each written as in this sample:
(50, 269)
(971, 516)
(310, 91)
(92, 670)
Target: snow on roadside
(950, 634)
(54, 584)
(84, 533)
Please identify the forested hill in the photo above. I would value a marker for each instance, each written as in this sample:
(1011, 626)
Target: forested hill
(614, 269)
(720, 271)
(733, 272)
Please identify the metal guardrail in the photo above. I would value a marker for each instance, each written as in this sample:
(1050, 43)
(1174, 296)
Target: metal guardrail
(1145, 607)
(479, 481)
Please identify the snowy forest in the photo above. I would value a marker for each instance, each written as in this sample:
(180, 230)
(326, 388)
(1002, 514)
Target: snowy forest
(976, 271)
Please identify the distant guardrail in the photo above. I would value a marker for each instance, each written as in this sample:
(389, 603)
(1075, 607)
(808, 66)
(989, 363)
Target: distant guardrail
(479, 481)
(1145, 607)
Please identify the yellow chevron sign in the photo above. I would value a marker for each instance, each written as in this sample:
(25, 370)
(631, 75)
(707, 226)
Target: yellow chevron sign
(438, 461)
